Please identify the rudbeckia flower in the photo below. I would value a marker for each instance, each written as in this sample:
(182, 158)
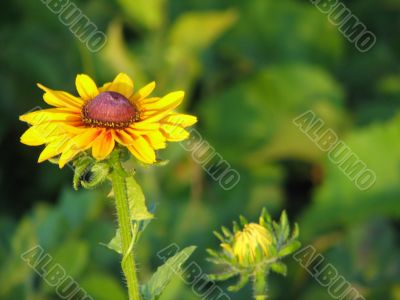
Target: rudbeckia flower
(102, 117)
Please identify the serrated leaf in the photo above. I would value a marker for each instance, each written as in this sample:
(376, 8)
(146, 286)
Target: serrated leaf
(164, 274)
(137, 202)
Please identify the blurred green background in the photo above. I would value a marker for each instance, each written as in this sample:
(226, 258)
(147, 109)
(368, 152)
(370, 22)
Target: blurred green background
(249, 68)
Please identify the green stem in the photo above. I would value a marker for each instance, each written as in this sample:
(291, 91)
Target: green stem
(125, 225)
(260, 284)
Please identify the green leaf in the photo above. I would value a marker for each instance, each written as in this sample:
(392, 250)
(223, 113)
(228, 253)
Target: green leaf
(137, 202)
(115, 243)
(164, 274)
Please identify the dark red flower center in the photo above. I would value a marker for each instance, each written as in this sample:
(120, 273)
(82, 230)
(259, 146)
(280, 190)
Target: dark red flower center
(109, 110)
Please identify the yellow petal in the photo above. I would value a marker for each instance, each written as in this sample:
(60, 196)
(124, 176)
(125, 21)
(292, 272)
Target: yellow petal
(156, 140)
(122, 84)
(123, 137)
(152, 117)
(174, 133)
(142, 150)
(52, 114)
(73, 128)
(104, 87)
(86, 87)
(140, 127)
(78, 144)
(54, 148)
(103, 145)
(144, 91)
(66, 156)
(84, 140)
(182, 120)
(143, 102)
(40, 134)
(60, 98)
(168, 102)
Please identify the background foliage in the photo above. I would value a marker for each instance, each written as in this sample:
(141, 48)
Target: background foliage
(249, 67)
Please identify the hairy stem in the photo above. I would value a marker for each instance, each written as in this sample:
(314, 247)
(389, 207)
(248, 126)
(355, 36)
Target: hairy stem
(125, 225)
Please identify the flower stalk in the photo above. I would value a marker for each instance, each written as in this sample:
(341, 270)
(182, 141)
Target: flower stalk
(260, 284)
(125, 225)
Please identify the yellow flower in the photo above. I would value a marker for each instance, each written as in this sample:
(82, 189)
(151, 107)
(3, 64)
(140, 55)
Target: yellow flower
(251, 244)
(101, 117)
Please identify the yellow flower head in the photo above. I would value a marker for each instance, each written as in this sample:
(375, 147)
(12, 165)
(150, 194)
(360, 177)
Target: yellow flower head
(251, 244)
(101, 117)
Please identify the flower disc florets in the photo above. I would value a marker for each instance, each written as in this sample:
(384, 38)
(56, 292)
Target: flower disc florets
(109, 110)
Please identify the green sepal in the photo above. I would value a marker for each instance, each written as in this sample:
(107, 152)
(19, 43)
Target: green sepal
(219, 236)
(284, 226)
(243, 221)
(243, 280)
(97, 174)
(288, 249)
(226, 232)
(213, 253)
(81, 168)
(279, 268)
(223, 276)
